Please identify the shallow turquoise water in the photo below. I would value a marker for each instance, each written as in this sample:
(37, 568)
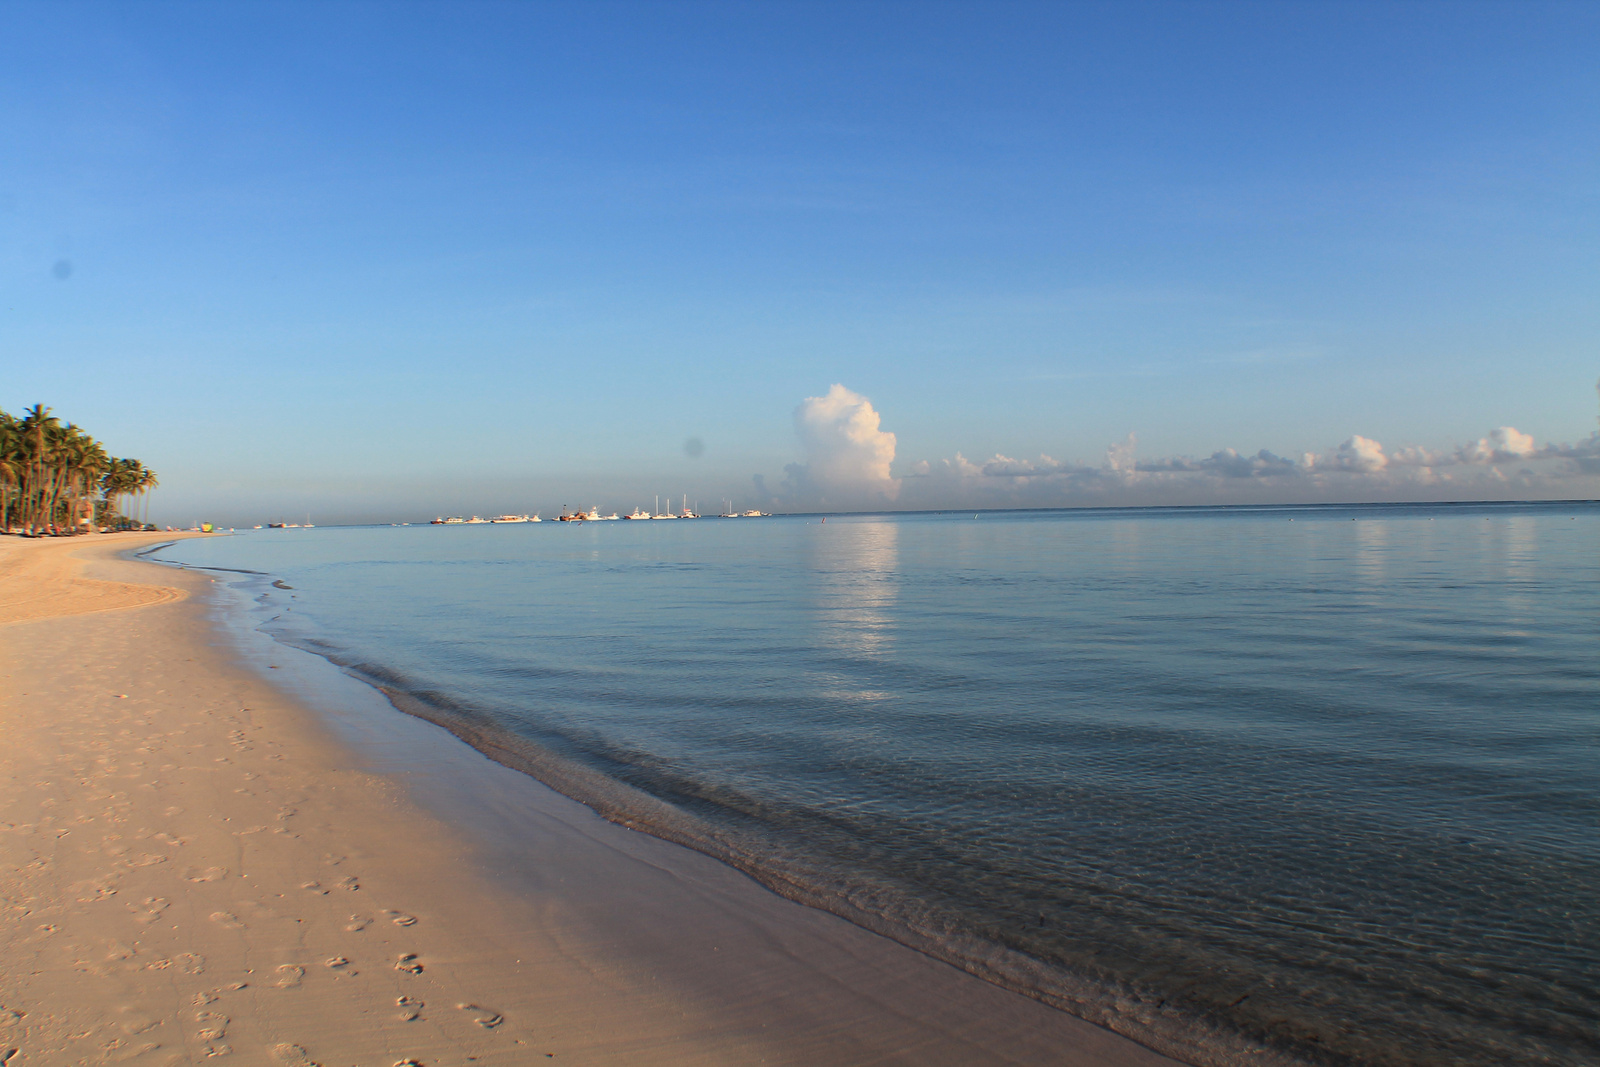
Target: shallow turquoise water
(1319, 779)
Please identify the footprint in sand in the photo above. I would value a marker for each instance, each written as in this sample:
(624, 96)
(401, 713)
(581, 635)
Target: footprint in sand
(213, 1027)
(487, 1018)
(294, 1056)
(350, 884)
(358, 923)
(93, 889)
(149, 910)
(136, 1022)
(187, 962)
(289, 976)
(400, 918)
(145, 859)
(408, 963)
(228, 919)
(205, 874)
(339, 965)
(410, 1010)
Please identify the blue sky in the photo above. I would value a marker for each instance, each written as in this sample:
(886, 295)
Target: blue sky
(383, 261)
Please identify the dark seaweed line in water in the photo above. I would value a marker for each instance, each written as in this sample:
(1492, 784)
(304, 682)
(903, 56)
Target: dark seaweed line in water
(1199, 1038)
(1201, 1041)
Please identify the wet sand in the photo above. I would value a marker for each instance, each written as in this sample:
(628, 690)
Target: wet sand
(200, 865)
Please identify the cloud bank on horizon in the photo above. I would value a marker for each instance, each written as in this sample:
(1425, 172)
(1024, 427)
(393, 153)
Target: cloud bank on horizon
(849, 462)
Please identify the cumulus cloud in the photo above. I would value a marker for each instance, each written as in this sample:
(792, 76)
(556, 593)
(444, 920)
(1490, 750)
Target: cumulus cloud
(1360, 454)
(1504, 462)
(848, 455)
(1498, 446)
(848, 458)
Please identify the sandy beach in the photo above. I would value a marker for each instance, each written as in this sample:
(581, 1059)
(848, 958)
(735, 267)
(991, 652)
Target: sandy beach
(199, 865)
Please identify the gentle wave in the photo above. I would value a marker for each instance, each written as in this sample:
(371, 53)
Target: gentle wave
(1329, 803)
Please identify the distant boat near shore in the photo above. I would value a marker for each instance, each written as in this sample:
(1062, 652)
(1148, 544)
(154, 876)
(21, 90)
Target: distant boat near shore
(592, 514)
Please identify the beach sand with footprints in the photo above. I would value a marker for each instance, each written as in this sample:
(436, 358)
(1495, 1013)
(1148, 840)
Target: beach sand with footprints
(196, 867)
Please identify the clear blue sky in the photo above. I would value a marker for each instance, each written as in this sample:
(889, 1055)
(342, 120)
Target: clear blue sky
(389, 260)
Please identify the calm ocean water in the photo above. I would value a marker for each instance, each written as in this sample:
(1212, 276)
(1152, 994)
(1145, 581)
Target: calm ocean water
(1320, 780)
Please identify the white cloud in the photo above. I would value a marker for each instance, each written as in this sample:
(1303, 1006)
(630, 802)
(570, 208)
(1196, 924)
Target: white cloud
(1503, 462)
(848, 455)
(848, 458)
(1360, 454)
(1498, 446)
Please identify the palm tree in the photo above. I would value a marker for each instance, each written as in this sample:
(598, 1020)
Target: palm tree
(39, 430)
(11, 467)
(147, 482)
(57, 478)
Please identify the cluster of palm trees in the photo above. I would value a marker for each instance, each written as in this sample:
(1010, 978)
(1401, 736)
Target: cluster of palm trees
(54, 478)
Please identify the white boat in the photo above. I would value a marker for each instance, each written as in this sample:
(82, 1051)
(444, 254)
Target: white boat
(757, 514)
(476, 521)
(638, 513)
(453, 520)
(686, 513)
(511, 518)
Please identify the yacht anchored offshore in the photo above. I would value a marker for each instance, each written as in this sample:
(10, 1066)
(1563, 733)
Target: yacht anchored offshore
(454, 520)
(515, 518)
(638, 513)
